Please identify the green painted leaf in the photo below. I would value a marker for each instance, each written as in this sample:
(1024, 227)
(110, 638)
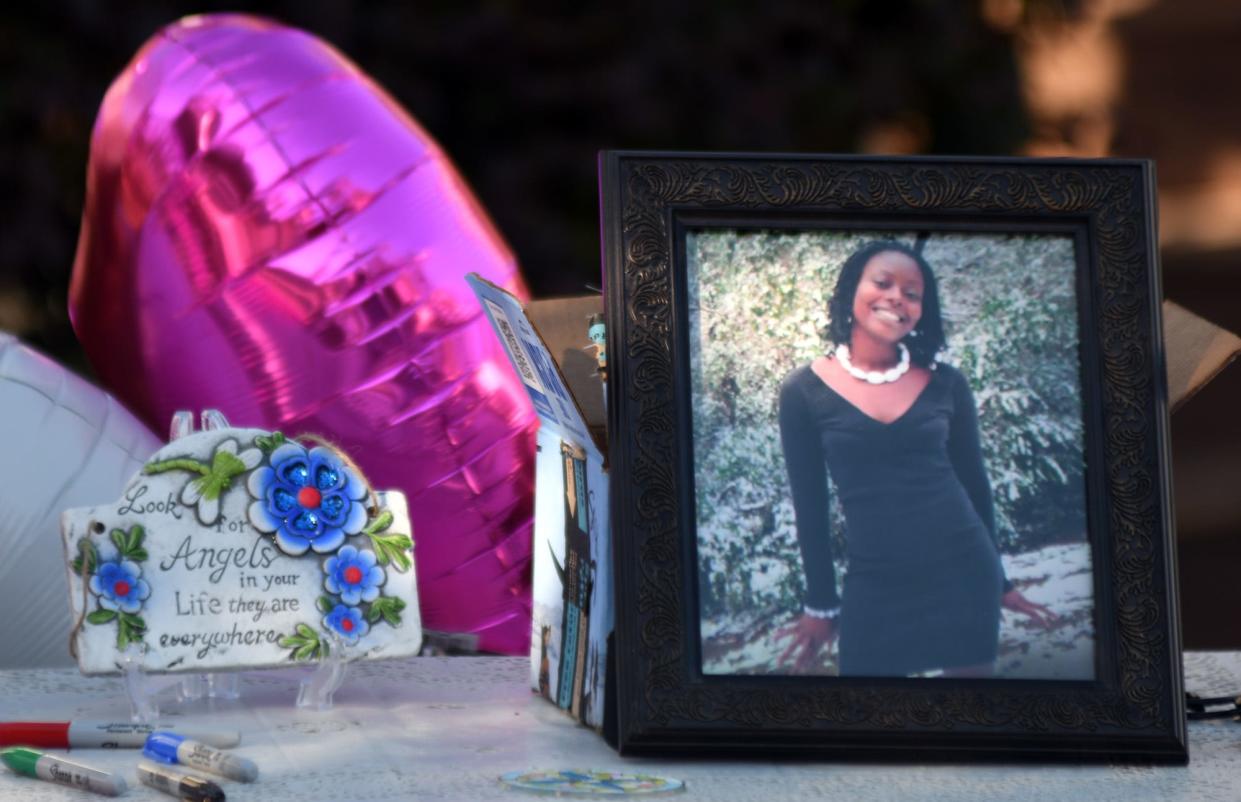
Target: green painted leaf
(129, 545)
(87, 552)
(306, 632)
(290, 642)
(269, 444)
(381, 522)
(101, 617)
(136, 536)
(77, 566)
(392, 548)
(324, 649)
(129, 630)
(325, 604)
(304, 652)
(387, 607)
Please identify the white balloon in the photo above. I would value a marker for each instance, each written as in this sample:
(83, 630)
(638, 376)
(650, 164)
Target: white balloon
(63, 443)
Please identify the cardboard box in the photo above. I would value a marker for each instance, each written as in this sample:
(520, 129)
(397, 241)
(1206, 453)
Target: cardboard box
(1197, 350)
(572, 606)
(573, 609)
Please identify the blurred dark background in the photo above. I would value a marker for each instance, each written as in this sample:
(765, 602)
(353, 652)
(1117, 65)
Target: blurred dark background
(523, 96)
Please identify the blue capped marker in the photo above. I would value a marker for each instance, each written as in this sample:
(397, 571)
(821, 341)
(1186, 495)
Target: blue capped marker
(168, 747)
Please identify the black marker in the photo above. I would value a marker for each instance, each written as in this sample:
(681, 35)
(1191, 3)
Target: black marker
(178, 783)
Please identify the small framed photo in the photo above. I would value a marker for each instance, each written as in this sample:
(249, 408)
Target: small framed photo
(889, 443)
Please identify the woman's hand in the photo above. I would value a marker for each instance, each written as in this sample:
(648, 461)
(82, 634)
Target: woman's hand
(810, 634)
(1039, 614)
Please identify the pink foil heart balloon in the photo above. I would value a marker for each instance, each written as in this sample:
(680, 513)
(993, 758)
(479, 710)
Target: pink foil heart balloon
(268, 233)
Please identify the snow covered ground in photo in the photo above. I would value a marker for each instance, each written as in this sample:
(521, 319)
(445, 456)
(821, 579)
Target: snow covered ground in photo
(1058, 576)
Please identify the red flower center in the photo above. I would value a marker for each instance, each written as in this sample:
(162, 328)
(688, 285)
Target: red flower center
(309, 497)
(347, 624)
(353, 575)
(121, 588)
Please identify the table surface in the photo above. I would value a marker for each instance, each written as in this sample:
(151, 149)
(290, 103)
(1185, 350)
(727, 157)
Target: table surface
(432, 728)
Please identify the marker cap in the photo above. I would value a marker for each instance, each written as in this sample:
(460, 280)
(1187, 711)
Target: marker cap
(21, 760)
(162, 746)
(34, 733)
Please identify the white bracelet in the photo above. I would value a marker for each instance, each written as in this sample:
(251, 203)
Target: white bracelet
(816, 613)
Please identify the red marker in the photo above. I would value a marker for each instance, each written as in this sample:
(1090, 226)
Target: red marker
(99, 734)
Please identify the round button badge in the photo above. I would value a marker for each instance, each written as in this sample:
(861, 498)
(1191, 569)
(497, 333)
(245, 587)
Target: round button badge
(575, 782)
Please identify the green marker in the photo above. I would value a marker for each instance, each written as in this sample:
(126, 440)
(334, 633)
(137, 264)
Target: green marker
(56, 769)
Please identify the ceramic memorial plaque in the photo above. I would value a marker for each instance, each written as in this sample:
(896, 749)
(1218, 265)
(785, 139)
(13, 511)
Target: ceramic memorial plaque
(238, 548)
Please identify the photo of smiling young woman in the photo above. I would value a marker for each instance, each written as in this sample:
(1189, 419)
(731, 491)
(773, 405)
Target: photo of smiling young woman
(878, 548)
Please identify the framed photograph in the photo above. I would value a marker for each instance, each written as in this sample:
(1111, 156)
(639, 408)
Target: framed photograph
(889, 443)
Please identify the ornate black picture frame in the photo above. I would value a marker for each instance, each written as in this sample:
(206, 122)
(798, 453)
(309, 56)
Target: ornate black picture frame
(1132, 708)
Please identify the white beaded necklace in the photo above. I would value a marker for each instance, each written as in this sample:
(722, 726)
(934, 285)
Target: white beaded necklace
(875, 376)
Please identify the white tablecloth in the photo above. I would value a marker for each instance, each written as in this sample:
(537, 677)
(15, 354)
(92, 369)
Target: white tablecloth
(446, 728)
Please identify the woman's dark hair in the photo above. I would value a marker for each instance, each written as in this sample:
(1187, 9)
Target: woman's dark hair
(927, 338)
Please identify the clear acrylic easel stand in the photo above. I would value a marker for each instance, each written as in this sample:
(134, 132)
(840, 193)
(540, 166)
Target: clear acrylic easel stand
(143, 689)
(316, 690)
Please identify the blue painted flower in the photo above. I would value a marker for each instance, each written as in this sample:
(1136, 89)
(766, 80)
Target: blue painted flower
(309, 499)
(353, 575)
(347, 622)
(120, 586)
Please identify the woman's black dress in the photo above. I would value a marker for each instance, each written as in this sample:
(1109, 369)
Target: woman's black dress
(924, 580)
